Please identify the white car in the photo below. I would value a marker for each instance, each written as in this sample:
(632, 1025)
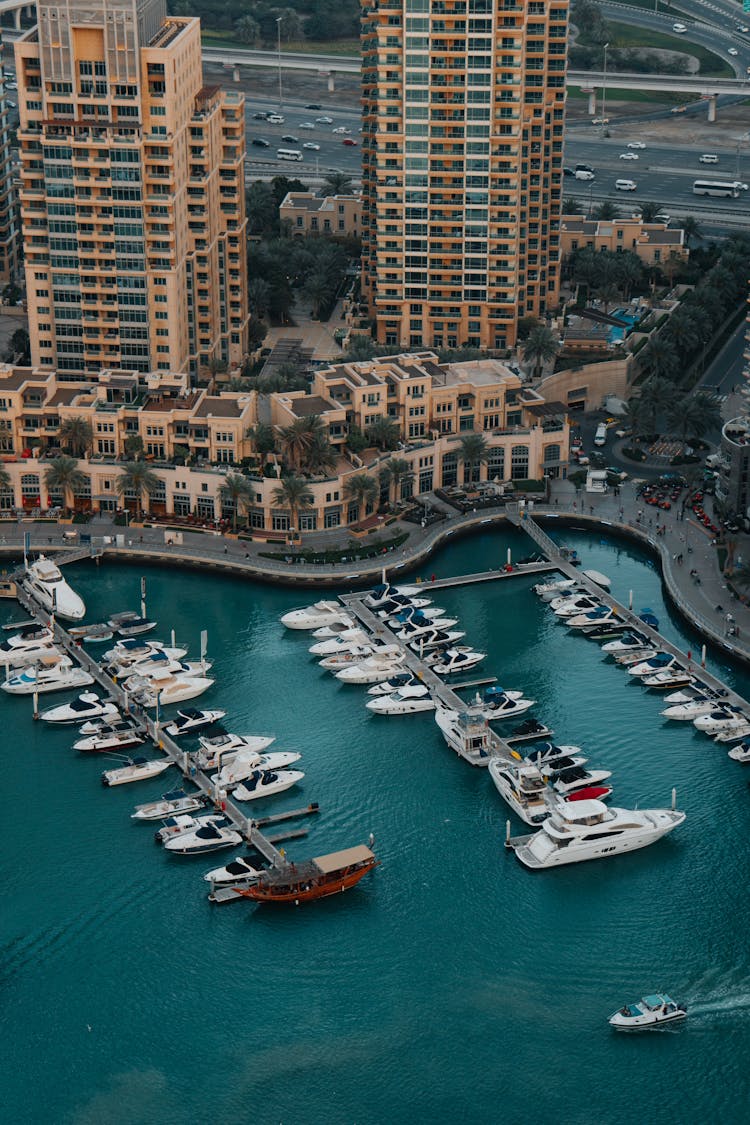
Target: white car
(679, 28)
(743, 28)
(636, 144)
(312, 145)
(341, 131)
(324, 120)
(732, 51)
(307, 125)
(628, 156)
(275, 118)
(625, 185)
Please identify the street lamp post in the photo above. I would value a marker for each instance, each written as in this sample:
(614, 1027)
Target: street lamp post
(604, 90)
(278, 51)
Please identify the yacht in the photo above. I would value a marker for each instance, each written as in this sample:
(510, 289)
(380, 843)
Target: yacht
(421, 618)
(414, 607)
(395, 683)
(435, 638)
(215, 749)
(548, 591)
(400, 602)
(570, 607)
(157, 666)
(593, 619)
(135, 626)
(27, 635)
(313, 616)
(266, 783)
(45, 581)
(354, 655)
(527, 728)
(48, 675)
(685, 695)
(88, 705)
(455, 660)
(612, 628)
(105, 726)
(136, 769)
(383, 592)
(208, 838)
(239, 870)
(660, 662)
(734, 734)
(103, 741)
(651, 1011)
(133, 649)
(172, 803)
(336, 628)
(551, 757)
(345, 642)
(182, 823)
(30, 654)
(597, 578)
(92, 634)
(720, 719)
(190, 719)
(636, 656)
(501, 704)
(741, 752)
(523, 787)
(567, 781)
(373, 669)
(690, 709)
(244, 764)
(466, 732)
(167, 689)
(670, 678)
(582, 830)
(419, 627)
(405, 701)
(630, 641)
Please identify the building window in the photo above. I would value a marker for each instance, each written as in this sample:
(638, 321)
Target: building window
(519, 462)
(332, 517)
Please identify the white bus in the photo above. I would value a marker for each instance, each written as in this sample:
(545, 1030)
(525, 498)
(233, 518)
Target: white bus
(288, 154)
(716, 187)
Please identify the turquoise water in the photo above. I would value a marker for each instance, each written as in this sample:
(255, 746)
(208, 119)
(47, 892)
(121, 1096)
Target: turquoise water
(452, 984)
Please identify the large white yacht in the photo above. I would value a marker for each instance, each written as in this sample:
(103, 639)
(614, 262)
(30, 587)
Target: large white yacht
(466, 732)
(570, 607)
(172, 803)
(500, 704)
(548, 591)
(523, 787)
(720, 719)
(216, 749)
(450, 661)
(45, 581)
(265, 783)
(583, 830)
(136, 769)
(380, 594)
(314, 616)
(50, 674)
(244, 765)
(167, 688)
(406, 701)
(373, 669)
(344, 642)
(88, 705)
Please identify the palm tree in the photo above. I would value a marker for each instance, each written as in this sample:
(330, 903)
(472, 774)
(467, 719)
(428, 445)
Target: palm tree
(691, 227)
(321, 457)
(474, 451)
(362, 490)
(629, 273)
(384, 433)
(76, 434)
(5, 481)
(694, 416)
(659, 356)
(258, 296)
(636, 415)
(606, 210)
(540, 347)
(393, 473)
(263, 438)
(63, 475)
(139, 478)
(571, 206)
(336, 183)
(649, 211)
(318, 290)
(657, 395)
(297, 439)
(295, 494)
(235, 491)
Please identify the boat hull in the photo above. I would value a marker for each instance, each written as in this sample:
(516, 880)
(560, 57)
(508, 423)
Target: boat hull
(602, 849)
(297, 895)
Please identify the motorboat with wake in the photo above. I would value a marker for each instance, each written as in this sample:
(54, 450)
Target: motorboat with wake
(373, 669)
(88, 705)
(316, 615)
(467, 733)
(405, 701)
(582, 830)
(650, 1012)
(457, 659)
(45, 582)
(208, 838)
(266, 783)
(50, 674)
(191, 719)
(172, 803)
(136, 769)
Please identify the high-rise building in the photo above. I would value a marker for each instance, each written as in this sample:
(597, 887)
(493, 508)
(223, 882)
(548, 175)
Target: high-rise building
(132, 192)
(463, 104)
(10, 232)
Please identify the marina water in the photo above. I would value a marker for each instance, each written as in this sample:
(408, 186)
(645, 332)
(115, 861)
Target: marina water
(450, 985)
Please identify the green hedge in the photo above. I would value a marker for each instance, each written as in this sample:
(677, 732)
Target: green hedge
(349, 554)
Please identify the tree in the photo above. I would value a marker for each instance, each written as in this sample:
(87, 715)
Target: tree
(318, 291)
(19, 350)
(694, 416)
(63, 475)
(526, 324)
(258, 296)
(361, 347)
(362, 490)
(263, 438)
(134, 445)
(139, 478)
(384, 433)
(541, 347)
(657, 396)
(393, 474)
(692, 228)
(636, 415)
(295, 494)
(474, 451)
(262, 210)
(336, 183)
(5, 481)
(572, 206)
(659, 356)
(292, 27)
(248, 30)
(321, 457)
(76, 435)
(356, 441)
(305, 446)
(629, 270)
(649, 211)
(606, 210)
(235, 491)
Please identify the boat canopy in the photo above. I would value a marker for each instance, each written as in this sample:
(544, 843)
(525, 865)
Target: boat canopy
(336, 860)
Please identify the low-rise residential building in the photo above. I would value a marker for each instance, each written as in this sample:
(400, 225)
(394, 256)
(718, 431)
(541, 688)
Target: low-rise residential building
(654, 243)
(306, 213)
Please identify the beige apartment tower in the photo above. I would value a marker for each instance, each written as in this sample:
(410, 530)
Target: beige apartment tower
(463, 104)
(132, 196)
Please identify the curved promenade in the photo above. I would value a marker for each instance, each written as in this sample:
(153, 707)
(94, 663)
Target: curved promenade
(705, 603)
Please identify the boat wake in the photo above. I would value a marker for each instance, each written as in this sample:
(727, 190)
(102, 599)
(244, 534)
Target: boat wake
(721, 1006)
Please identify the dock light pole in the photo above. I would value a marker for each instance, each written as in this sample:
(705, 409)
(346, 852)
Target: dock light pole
(278, 52)
(604, 90)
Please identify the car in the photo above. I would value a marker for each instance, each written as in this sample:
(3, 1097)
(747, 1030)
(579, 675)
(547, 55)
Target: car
(260, 116)
(324, 120)
(742, 27)
(350, 141)
(11, 105)
(678, 109)
(628, 156)
(307, 125)
(341, 130)
(600, 121)
(663, 217)
(568, 172)
(582, 175)
(636, 144)
(708, 158)
(626, 185)
(11, 85)
(313, 105)
(312, 145)
(275, 118)
(740, 186)
(290, 139)
(260, 143)
(679, 28)
(732, 51)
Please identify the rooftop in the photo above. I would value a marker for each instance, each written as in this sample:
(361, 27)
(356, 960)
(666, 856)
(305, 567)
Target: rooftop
(306, 405)
(215, 407)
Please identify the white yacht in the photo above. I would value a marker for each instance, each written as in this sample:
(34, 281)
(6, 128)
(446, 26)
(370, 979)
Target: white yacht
(568, 780)
(629, 641)
(156, 666)
(548, 591)
(597, 578)
(136, 769)
(670, 678)
(182, 823)
(27, 635)
(593, 619)
(734, 734)
(383, 592)
(173, 803)
(244, 764)
(135, 626)
(651, 1011)
(45, 581)
(346, 657)
(500, 704)
(48, 675)
(215, 749)
(466, 732)
(424, 618)
(208, 838)
(523, 787)
(106, 726)
(344, 642)
(741, 752)
(690, 709)
(457, 658)
(417, 627)
(92, 634)
(435, 638)
(395, 683)
(550, 757)
(571, 607)
(88, 705)
(635, 656)
(133, 650)
(336, 628)
(373, 669)
(103, 741)
(313, 616)
(266, 783)
(405, 701)
(30, 654)
(239, 870)
(720, 719)
(400, 602)
(190, 719)
(660, 662)
(167, 689)
(583, 830)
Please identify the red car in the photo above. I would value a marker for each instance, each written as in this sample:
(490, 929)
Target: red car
(349, 141)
